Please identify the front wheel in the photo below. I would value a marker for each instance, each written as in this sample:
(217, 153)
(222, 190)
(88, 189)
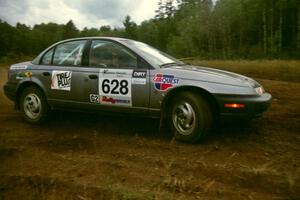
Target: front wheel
(33, 105)
(190, 117)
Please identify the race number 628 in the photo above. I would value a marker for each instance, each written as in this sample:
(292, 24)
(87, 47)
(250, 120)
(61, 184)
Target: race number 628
(115, 87)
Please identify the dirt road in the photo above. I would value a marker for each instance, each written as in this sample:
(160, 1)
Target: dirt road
(85, 156)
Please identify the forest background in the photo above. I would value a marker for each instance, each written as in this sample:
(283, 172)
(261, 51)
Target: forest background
(226, 29)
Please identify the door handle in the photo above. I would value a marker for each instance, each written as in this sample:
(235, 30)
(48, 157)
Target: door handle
(93, 76)
(46, 73)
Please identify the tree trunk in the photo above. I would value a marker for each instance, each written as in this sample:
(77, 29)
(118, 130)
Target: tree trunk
(224, 44)
(223, 38)
(229, 52)
(298, 31)
(209, 42)
(241, 26)
(265, 31)
(271, 28)
(280, 30)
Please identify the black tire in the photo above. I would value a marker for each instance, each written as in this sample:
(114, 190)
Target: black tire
(33, 105)
(190, 117)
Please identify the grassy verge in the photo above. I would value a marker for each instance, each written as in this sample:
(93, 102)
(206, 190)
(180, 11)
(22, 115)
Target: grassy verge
(283, 70)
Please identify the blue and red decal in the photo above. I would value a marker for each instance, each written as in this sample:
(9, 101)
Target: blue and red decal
(162, 82)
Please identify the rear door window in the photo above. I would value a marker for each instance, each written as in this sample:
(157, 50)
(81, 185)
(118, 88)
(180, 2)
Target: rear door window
(69, 53)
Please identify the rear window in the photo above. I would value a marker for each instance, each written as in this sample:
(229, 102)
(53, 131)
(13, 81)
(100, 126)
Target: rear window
(47, 58)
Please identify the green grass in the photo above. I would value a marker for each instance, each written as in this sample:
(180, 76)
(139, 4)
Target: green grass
(282, 70)
(12, 59)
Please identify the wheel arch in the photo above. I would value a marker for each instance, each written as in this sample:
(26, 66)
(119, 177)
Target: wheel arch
(193, 89)
(22, 87)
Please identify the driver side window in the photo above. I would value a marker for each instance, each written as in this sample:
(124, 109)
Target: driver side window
(109, 54)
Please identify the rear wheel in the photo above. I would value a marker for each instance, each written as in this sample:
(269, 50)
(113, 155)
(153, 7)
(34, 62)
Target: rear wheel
(190, 117)
(33, 105)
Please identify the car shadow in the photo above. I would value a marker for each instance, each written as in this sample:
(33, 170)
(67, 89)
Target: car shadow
(130, 126)
(105, 123)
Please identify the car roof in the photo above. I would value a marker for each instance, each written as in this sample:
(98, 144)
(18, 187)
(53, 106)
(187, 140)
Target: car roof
(119, 39)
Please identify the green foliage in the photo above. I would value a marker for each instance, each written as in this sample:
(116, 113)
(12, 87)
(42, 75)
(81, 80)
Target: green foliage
(15, 42)
(130, 28)
(178, 47)
(234, 28)
(225, 29)
(70, 30)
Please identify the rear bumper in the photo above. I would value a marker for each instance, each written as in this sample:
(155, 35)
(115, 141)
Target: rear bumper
(10, 91)
(254, 106)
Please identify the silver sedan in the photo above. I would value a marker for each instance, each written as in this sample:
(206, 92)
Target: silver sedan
(125, 76)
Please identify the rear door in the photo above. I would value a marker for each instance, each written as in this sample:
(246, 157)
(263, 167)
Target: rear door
(67, 62)
(61, 67)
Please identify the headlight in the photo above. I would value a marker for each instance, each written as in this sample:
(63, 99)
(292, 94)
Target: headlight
(260, 90)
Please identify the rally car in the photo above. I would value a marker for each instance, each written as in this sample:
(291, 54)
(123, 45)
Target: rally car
(126, 76)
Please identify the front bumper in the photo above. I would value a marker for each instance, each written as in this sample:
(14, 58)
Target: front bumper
(254, 106)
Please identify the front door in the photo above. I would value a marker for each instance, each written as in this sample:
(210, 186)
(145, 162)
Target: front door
(122, 82)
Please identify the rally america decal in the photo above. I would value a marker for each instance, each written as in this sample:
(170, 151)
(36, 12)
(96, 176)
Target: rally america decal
(163, 82)
(115, 87)
(115, 101)
(61, 80)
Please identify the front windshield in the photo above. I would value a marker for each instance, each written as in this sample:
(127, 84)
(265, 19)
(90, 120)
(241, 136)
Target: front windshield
(157, 57)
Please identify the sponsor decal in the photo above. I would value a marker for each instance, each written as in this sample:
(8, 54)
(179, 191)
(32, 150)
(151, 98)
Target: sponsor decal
(115, 72)
(139, 74)
(139, 77)
(61, 80)
(115, 101)
(162, 82)
(18, 67)
(138, 81)
(94, 98)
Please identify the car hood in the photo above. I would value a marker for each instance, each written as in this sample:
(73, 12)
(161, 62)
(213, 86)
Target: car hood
(212, 75)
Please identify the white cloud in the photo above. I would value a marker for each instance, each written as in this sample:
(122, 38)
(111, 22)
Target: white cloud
(145, 11)
(84, 13)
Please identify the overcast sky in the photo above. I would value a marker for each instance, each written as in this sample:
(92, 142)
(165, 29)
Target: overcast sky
(84, 13)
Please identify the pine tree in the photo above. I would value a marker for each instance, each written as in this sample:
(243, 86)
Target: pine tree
(130, 28)
(70, 30)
